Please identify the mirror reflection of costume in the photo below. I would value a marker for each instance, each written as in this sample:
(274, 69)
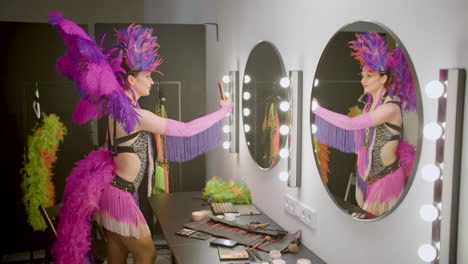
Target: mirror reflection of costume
(93, 190)
(378, 187)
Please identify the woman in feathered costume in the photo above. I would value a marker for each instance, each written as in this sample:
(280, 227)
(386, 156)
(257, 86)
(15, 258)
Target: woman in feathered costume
(102, 186)
(385, 160)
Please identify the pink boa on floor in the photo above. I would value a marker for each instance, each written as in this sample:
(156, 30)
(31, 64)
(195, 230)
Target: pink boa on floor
(83, 191)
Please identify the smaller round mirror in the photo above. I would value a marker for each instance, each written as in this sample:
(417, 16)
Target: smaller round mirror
(265, 105)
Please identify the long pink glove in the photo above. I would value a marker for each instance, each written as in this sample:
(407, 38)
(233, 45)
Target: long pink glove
(181, 129)
(345, 122)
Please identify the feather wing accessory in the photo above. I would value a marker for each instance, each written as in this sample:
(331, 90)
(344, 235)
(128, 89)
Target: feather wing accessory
(403, 84)
(86, 65)
(371, 50)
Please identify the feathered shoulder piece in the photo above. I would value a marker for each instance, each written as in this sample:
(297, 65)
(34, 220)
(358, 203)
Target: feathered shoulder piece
(140, 48)
(86, 65)
(371, 50)
(403, 84)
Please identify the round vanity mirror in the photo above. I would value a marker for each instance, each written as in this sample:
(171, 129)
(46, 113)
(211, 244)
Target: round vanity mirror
(265, 104)
(365, 120)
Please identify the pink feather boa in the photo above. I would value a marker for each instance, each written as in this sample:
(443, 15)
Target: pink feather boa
(82, 194)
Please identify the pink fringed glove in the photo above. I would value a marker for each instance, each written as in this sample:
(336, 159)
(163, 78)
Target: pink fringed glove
(343, 121)
(181, 129)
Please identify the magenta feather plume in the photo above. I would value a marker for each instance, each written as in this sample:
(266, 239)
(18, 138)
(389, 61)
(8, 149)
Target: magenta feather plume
(83, 191)
(140, 48)
(403, 84)
(407, 154)
(96, 78)
(371, 50)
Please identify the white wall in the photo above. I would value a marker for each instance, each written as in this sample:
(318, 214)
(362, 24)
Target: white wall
(433, 33)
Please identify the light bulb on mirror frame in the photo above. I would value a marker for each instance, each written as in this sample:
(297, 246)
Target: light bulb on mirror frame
(226, 79)
(246, 111)
(429, 212)
(432, 131)
(284, 130)
(246, 96)
(427, 252)
(285, 82)
(434, 89)
(226, 129)
(247, 79)
(284, 153)
(284, 106)
(226, 144)
(283, 176)
(246, 128)
(314, 105)
(314, 128)
(430, 172)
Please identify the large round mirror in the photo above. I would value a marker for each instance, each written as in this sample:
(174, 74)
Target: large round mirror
(365, 120)
(264, 104)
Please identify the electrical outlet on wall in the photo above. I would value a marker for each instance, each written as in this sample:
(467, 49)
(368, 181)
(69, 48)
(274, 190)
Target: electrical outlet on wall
(291, 206)
(308, 216)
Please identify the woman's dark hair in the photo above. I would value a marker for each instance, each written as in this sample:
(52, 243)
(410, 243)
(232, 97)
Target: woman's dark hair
(389, 75)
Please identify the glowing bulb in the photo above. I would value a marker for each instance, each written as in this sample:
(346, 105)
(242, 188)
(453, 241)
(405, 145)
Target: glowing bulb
(429, 212)
(434, 89)
(432, 131)
(226, 79)
(315, 105)
(427, 252)
(314, 128)
(247, 79)
(246, 128)
(226, 129)
(285, 82)
(227, 95)
(284, 153)
(284, 130)
(246, 96)
(226, 144)
(283, 176)
(430, 172)
(284, 106)
(316, 82)
(246, 112)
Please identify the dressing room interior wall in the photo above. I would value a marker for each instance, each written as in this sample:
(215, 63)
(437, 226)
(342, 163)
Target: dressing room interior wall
(434, 34)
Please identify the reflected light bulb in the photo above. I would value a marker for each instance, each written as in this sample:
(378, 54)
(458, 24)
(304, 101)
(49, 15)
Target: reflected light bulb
(246, 96)
(247, 79)
(432, 131)
(430, 172)
(226, 79)
(246, 128)
(315, 105)
(284, 106)
(427, 252)
(314, 129)
(246, 112)
(284, 153)
(316, 82)
(434, 89)
(227, 128)
(227, 94)
(283, 176)
(226, 144)
(284, 130)
(428, 212)
(285, 82)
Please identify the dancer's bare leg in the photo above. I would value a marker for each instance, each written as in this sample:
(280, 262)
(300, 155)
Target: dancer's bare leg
(117, 253)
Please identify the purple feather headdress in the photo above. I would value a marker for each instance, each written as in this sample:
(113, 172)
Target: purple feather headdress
(371, 50)
(403, 84)
(139, 48)
(86, 65)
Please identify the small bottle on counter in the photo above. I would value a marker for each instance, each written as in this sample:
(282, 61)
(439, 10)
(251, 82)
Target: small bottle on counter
(274, 255)
(303, 261)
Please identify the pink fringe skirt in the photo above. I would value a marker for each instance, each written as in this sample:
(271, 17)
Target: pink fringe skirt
(119, 213)
(383, 194)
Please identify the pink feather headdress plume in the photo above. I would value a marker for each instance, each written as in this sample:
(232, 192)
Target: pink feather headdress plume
(403, 84)
(139, 48)
(371, 50)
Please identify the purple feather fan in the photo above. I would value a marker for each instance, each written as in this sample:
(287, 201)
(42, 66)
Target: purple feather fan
(371, 50)
(403, 84)
(86, 65)
(83, 191)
